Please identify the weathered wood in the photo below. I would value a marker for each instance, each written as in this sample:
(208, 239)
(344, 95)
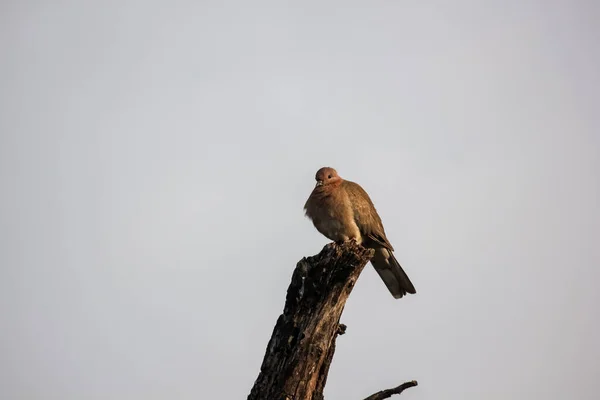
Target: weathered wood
(301, 348)
(384, 394)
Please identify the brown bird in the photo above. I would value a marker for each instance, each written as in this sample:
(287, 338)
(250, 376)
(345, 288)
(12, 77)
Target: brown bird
(341, 210)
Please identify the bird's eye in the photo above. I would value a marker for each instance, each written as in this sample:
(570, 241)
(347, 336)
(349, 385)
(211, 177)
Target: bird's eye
(328, 176)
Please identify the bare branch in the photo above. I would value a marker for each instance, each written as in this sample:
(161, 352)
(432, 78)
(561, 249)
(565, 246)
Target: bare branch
(384, 394)
(300, 351)
(302, 345)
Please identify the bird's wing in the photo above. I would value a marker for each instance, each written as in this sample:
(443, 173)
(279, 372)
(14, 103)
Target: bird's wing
(365, 215)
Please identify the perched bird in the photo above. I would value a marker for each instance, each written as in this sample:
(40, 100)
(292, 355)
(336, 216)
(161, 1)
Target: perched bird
(341, 210)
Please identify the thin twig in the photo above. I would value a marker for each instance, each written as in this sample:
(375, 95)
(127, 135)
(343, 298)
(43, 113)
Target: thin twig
(384, 394)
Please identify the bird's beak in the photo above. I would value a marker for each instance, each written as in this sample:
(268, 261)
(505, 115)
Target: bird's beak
(319, 183)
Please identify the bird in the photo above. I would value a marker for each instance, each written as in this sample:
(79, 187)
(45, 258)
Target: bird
(342, 210)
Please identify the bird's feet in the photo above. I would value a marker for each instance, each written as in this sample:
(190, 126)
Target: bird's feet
(341, 242)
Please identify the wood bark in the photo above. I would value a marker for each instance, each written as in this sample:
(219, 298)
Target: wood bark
(301, 348)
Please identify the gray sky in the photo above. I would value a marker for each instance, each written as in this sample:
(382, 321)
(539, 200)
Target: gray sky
(155, 158)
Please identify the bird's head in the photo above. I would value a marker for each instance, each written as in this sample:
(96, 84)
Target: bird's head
(327, 176)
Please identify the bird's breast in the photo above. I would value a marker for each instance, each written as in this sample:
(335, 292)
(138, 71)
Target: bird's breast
(333, 217)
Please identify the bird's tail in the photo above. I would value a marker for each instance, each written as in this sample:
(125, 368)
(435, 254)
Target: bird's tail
(391, 273)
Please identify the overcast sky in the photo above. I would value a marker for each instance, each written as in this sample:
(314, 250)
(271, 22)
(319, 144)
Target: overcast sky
(155, 158)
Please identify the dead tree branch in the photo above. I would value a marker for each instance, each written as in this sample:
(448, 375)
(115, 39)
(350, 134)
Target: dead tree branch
(301, 348)
(384, 394)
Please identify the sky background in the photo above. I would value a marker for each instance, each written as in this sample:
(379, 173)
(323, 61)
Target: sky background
(155, 158)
